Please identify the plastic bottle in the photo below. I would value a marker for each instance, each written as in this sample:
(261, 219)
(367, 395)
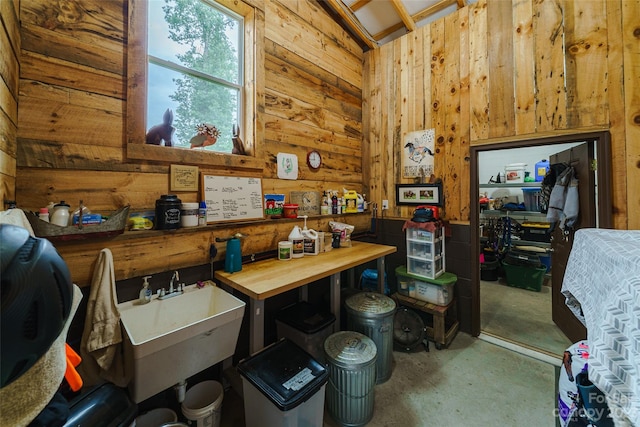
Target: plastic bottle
(311, 242)
(297, 240)
(202, 213)
(334, 204)
(44, 214)
(324, 207)
(145, 292)
(60, 215)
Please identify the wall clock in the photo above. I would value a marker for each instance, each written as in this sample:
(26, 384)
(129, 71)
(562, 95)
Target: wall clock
(314, 160)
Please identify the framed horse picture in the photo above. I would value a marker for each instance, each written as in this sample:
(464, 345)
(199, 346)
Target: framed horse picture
(418, 153)
(419, 194)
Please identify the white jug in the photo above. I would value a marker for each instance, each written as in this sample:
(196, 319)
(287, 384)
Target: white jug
(60, 214)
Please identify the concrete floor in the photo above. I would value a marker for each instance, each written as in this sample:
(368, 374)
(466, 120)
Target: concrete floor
(521, 316)
(470, 383)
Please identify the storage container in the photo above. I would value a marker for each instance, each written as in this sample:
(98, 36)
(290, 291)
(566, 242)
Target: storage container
(283, 385)
(351, 362)
(307, 327)
(489, 270)
(519, 257)
(168, 212)
(536, 231)
(425, 251)
(514, 173)
(523, 276)
(371, 314)
(439, 291)
(541, 169)
(531, 199)
(426, 269)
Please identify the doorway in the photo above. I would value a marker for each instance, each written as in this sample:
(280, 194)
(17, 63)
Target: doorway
(522, 316)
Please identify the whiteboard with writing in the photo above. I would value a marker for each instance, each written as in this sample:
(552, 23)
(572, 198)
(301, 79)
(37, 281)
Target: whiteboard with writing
(232, 198)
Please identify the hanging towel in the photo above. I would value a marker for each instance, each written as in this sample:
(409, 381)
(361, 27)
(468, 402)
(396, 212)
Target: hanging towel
(101, 347)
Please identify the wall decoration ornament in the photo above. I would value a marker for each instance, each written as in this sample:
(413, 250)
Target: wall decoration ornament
(287, 166)
(418, 150)
(419, 194)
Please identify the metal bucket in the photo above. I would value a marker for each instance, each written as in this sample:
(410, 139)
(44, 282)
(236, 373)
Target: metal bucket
(351, 362)
(371, 314)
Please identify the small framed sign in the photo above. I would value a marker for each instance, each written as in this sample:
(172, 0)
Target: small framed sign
(419, 194)
(184, 178)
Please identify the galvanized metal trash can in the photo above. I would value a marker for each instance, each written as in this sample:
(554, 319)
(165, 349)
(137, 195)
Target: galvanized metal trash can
(371, 314)
(351, 362)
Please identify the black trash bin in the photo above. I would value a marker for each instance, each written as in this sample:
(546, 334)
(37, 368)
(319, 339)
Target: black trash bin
(282, 385)
(306, 326)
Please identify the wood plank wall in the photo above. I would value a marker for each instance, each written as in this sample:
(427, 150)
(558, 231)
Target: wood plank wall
(501, 69)
(9, 69)
(71, 141)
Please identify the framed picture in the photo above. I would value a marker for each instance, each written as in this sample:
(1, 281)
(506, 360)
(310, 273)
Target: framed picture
(419, 194)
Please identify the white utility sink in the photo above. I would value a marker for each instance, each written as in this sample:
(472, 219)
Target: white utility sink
(167, 341)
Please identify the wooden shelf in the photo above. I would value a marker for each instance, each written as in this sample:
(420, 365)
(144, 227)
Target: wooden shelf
(516, 185)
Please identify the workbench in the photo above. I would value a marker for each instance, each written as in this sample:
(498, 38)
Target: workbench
(267, 278)
(445, 318)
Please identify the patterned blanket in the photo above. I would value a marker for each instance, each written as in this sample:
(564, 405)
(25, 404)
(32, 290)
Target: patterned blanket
(602, 288)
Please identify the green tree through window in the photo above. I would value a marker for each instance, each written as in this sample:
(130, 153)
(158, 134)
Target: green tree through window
(195, 68)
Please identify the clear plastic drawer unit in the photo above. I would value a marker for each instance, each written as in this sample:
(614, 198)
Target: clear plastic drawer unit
(425, 252)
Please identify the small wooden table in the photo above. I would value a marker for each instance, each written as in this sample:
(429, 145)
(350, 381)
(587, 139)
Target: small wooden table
(442, 314)
(264, 279)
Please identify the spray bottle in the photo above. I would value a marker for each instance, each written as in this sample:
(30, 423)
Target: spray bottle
(311, 241)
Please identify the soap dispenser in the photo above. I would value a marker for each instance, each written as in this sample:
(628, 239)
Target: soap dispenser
(145, 292)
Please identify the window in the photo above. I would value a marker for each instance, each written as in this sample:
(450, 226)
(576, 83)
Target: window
(195, 65)
(197, 58)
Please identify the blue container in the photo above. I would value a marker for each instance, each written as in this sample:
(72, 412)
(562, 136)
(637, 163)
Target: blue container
(369, 281)
(542, 167)
(545, 260)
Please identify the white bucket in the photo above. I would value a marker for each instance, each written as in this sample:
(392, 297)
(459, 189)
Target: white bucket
(203, 403)
(155, 418)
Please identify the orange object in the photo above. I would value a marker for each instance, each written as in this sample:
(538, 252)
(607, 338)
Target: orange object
(70, 374)
(290, 210)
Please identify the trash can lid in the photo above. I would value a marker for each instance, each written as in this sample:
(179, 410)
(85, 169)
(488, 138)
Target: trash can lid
(350, 349)
(284, 373)
(371, 303)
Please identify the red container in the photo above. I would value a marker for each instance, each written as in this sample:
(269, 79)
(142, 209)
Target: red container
(290, 210)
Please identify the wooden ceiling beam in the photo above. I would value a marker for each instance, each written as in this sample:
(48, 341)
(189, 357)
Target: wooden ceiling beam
(404, 15)
(434, 8)
(351, 22)
(384, 33)
(359, 4)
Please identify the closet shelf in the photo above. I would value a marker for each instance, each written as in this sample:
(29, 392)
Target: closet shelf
(517, 185)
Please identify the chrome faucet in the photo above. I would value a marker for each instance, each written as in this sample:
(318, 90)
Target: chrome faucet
(173, 290)
(174, 277)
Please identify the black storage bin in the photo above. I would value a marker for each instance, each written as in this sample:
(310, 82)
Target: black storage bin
(102, 406)
(521, 258)
(490, 270)
(306, 326)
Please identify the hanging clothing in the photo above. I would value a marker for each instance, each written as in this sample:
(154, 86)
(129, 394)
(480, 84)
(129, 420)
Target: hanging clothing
(564, 203)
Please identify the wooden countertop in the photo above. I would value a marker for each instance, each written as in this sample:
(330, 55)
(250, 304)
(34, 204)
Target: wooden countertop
(263, 279)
